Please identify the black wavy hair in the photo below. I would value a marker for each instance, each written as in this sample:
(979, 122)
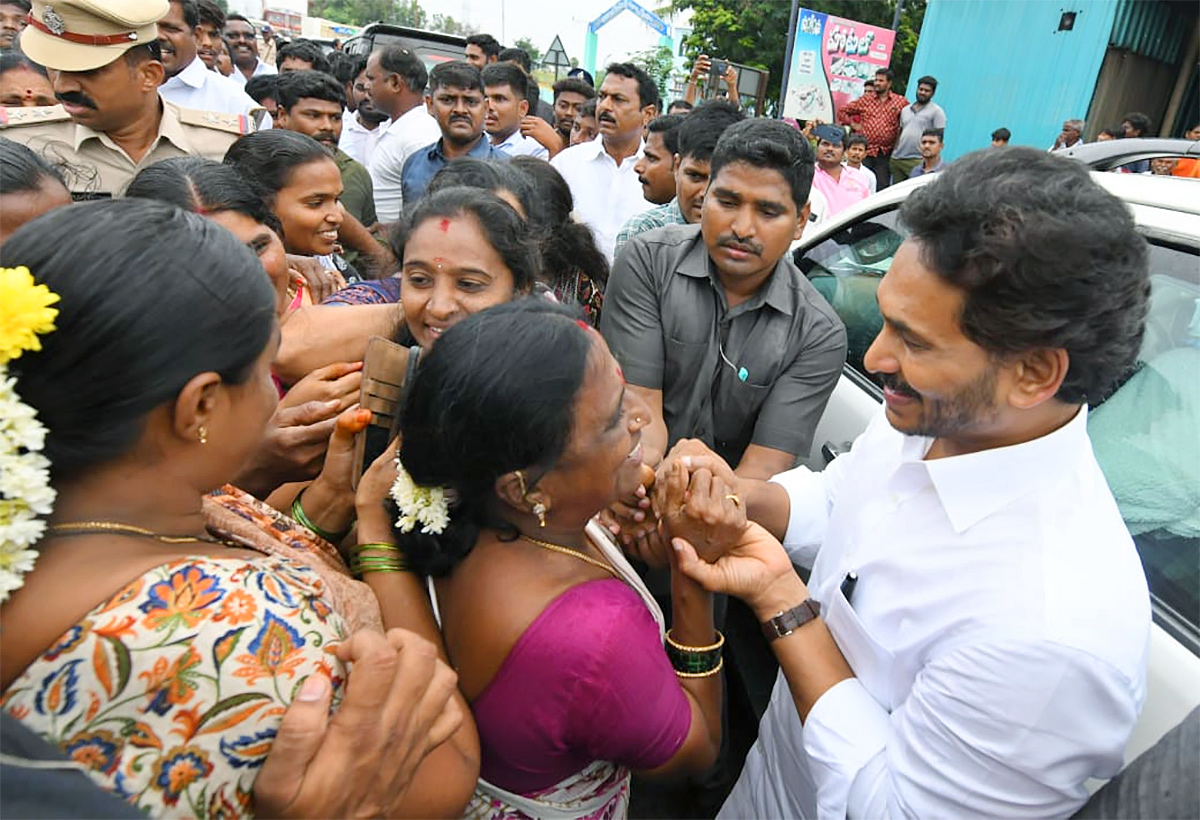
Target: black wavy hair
(23, 170)
(454, 74)
(295, 86)
(268, 158)
(566, 245)
(501, 224)
(767, 144)
(508, 74)
(305, 50)
(202, 186)
(647, 88)
(495, 394)
(12, 59)
(700, 130)
(487, 175)
(668, 126)
(1046, 259)
(142, 323)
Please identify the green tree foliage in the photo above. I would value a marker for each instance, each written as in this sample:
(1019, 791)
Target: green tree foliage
(755, 33)
(448, 25)
(361, 12)
(535, 54)
(658, 63)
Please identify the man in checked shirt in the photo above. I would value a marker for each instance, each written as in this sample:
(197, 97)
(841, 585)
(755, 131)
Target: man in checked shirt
(877, 114)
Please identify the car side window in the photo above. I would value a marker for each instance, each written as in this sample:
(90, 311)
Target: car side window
(846, 268)
(1145, 438)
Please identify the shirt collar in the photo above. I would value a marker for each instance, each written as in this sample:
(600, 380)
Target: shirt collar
(597, 149)
(169, 128)
(973, 486)
(194, 75)
(513, 139)
(776, 291)
(481, 149)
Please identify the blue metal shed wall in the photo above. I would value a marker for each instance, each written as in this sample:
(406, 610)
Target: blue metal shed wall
(1004, 63)
(1153, 30)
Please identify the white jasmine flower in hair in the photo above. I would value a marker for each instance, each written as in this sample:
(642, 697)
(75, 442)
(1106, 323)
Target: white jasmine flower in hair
(426, 506)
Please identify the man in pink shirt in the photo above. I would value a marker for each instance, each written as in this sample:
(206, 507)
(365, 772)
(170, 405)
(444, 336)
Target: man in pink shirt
(841, 185)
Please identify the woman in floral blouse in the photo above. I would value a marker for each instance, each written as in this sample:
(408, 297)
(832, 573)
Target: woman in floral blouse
(164, 630)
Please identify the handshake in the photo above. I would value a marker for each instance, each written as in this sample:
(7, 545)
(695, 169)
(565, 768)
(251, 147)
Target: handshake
(692, 495)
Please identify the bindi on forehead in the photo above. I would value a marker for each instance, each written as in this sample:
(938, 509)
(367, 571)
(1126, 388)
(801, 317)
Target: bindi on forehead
(444, 225)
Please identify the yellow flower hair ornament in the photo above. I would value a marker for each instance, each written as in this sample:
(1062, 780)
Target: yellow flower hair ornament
(25, 491)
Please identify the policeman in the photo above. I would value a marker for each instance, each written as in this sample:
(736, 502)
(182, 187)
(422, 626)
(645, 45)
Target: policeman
(105, 63)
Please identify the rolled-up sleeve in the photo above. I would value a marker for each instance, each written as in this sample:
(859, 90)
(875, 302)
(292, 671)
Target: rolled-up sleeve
(1003, 729)
(631, 322)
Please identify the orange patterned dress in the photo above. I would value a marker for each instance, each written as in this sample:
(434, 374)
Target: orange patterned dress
(170, 692)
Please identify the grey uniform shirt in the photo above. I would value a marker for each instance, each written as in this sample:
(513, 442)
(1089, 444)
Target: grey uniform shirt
(666, 320)
(913, 121)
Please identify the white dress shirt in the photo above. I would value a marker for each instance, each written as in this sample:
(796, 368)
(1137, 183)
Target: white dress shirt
(412, 130)
(356, 140)
(518, 145)
(998, 632)
(260, 68)
(606, 194)
(197, 87)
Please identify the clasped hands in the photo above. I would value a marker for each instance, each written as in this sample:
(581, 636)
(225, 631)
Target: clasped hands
(691, 516)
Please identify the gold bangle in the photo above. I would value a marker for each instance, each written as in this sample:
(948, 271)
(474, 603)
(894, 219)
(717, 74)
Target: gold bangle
(710, 648)
(714, 671)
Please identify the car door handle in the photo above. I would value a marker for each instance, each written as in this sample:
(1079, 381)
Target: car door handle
(830, 451)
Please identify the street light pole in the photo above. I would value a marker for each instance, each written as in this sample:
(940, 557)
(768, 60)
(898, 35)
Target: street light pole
(896, 17)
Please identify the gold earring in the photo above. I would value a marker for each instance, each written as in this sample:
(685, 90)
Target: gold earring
(521, 480)
(539, 509)
(203, 434)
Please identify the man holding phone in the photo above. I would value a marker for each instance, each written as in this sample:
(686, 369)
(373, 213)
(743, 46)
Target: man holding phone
(717, 71)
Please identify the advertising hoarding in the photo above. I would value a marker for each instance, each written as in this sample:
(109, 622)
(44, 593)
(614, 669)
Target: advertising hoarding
(832, 60)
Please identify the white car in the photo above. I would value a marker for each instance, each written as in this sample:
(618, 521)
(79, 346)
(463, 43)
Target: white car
(1146, 436)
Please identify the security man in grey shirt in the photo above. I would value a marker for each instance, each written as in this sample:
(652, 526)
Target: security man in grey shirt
(715, 327)
(725, 340)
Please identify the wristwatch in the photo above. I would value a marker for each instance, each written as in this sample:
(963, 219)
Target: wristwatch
(788, 621)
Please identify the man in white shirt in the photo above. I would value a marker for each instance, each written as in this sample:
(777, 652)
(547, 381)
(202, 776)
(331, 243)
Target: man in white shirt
(396, 80)
(364, 124)
(600, 172)
(1070, 136)
(244, 42)
(972, 640)
(505, 87)
(189, 84)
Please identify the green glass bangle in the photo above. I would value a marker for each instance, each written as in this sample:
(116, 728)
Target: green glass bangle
(694, 661)
(303, 520)
(706, 674)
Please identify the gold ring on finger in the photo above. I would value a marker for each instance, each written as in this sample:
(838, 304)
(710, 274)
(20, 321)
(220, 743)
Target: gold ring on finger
(737, 501)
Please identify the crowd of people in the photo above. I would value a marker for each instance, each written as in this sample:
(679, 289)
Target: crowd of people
(570, 569)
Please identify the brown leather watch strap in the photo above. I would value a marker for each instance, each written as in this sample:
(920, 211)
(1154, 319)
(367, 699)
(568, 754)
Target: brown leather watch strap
(788, 621)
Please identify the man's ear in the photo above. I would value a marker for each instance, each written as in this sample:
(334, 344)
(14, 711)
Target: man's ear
(523, 107)
(1037, 376)
(429, 106)
(649, 113)
(802, 220)
(151, 74)
(675, 161)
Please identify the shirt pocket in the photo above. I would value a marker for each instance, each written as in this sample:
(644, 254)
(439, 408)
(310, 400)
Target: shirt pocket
(871, 661)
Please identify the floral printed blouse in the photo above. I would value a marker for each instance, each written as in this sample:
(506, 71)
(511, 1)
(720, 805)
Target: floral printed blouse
(171, 691)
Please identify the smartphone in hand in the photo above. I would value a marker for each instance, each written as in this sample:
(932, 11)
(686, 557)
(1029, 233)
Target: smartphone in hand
(387, 367)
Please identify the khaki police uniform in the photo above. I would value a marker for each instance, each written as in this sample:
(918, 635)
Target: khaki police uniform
(84, 35)
(94, 166)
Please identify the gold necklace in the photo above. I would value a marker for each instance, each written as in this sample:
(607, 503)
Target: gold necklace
(102, 527)
(587, 559)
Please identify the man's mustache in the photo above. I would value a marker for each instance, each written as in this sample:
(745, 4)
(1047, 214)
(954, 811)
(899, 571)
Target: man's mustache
(731, 241)
(76, 98)
(893, 382)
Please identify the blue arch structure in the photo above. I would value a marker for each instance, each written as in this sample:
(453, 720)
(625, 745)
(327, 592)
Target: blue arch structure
(648, 17)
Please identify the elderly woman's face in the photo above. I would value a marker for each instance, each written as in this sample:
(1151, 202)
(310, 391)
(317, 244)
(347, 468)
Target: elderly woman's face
(450, 271)
(603, 458)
